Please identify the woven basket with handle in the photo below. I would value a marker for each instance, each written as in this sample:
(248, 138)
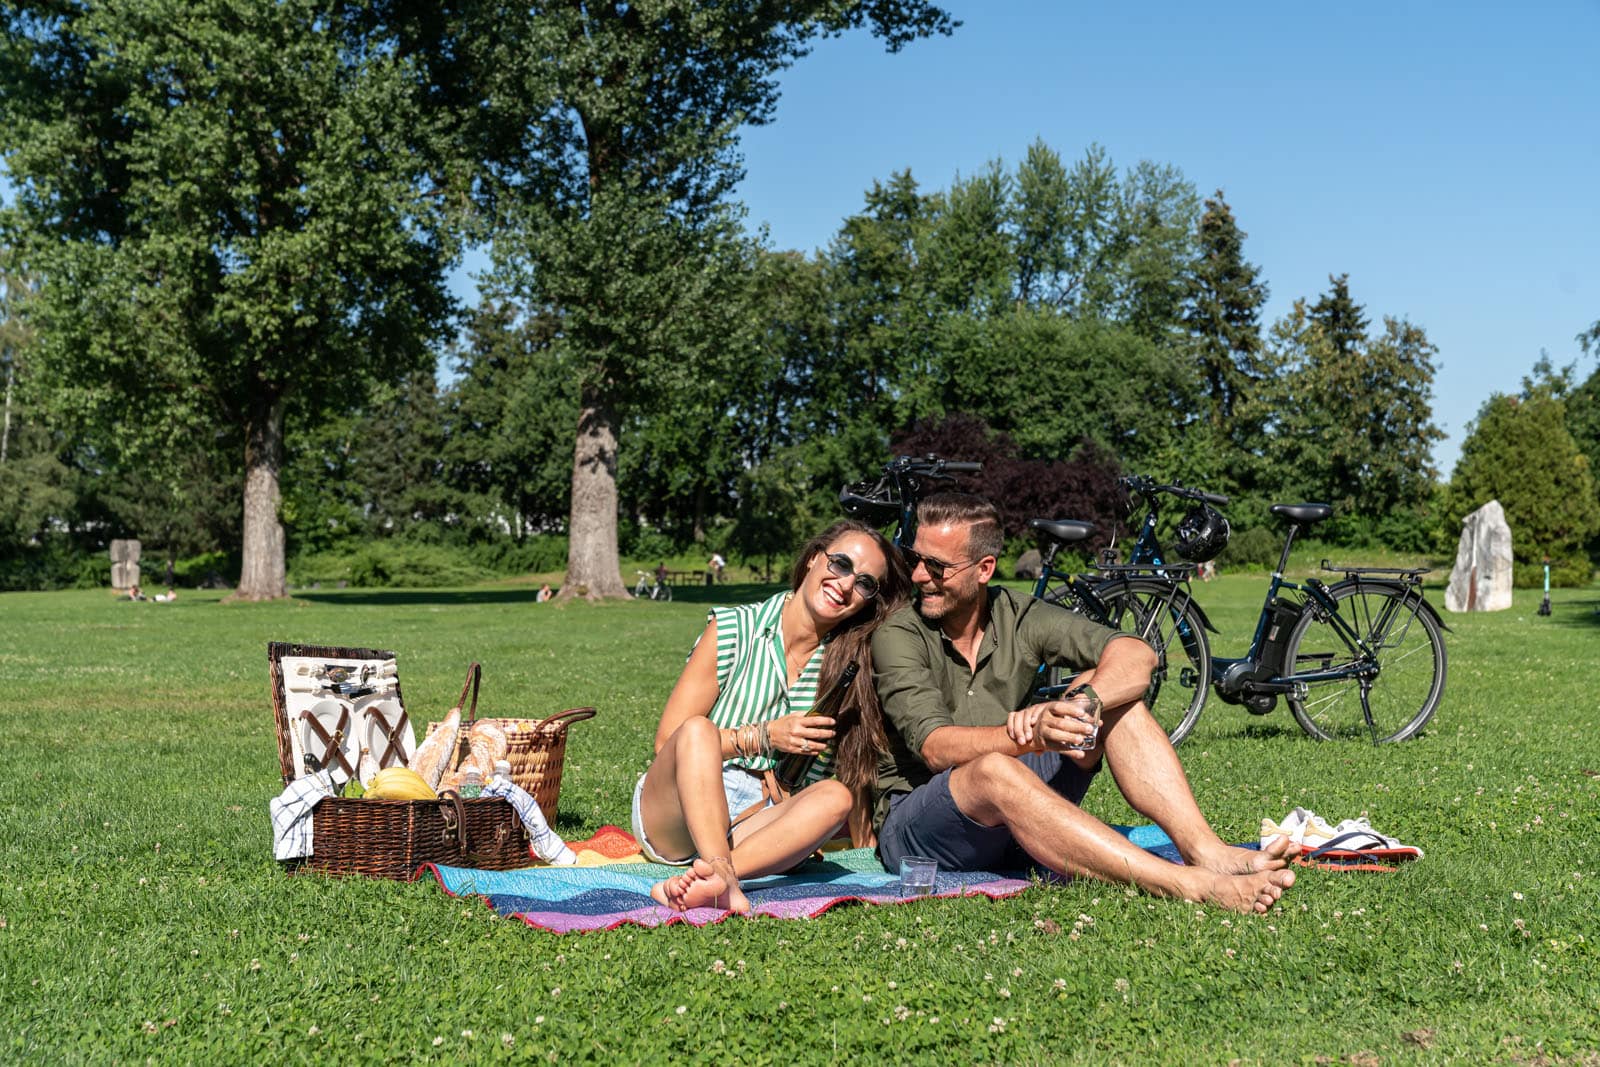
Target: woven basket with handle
(535, 748)
(394, 838)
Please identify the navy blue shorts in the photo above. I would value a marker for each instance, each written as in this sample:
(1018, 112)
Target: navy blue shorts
(927, 822)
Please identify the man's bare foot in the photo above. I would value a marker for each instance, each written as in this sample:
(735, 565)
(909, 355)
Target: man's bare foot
(1255, 893)
(1230, 859)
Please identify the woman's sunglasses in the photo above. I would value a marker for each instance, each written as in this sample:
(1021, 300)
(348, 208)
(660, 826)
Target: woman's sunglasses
(937, 568)
(841, 566)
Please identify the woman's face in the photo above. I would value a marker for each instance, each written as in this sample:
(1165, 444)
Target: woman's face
(834, 596)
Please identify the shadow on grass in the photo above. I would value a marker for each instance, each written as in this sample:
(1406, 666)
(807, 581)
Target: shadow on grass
(730, 593)
(1580, 611)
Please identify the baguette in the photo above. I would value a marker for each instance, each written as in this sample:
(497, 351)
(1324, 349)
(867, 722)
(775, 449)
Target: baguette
(433, 756)
(487, 742)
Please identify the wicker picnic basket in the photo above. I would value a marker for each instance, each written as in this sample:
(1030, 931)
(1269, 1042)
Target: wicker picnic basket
(394, 838)
(535, 748)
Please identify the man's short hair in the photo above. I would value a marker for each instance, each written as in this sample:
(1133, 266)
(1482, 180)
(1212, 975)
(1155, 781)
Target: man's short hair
(985, 536)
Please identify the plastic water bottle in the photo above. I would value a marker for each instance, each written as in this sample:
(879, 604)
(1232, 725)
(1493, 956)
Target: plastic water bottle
(472, 784)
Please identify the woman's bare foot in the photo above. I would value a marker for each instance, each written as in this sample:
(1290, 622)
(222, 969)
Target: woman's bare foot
(1230, 859)
(703, 885)
(669, 893)
(1256, 892)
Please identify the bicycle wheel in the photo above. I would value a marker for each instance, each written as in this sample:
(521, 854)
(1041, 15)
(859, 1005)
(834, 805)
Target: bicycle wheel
(1401, 640)
(1165, 616)
(663, 592)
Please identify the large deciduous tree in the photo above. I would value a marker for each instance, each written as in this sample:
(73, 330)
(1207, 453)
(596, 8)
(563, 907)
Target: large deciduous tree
(610, 130)
(230, 206)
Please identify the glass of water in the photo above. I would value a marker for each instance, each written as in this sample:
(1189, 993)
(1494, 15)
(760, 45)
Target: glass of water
(917, 876)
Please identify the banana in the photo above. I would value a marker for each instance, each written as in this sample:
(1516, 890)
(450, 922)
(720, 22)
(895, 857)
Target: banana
(399, 783)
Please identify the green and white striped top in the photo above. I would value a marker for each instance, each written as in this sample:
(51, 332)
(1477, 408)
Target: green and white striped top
(751, 676)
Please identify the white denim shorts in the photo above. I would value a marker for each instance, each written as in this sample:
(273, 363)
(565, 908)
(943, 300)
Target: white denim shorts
(741, 788)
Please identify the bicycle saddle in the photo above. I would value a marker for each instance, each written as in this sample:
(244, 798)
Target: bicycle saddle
(1064, 530)
(1305, 514)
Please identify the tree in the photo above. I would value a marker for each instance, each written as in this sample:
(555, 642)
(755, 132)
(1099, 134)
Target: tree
(234, 216)
(1518, 451)
(610, 133)
(1223, 312)
(1351, 417)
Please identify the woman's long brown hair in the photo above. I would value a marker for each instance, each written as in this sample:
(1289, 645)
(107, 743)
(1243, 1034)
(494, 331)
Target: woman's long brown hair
(858, 728)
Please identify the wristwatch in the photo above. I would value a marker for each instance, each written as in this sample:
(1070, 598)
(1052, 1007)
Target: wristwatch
(1096, 705)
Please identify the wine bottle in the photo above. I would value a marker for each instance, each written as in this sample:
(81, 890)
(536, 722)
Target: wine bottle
(792, 769)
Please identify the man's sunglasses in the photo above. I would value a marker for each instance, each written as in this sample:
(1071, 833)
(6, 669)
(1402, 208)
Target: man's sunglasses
(937, 568)
(841, 566)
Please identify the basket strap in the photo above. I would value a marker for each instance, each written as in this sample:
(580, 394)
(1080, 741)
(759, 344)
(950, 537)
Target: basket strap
(455, 818)
(568, 717)
(392, 733)
(474, 678)
(332, 742)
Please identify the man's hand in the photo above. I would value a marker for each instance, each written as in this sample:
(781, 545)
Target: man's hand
(1067, 725)
(1053, 726)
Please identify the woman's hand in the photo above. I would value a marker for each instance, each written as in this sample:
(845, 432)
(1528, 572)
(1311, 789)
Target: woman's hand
(805, 734)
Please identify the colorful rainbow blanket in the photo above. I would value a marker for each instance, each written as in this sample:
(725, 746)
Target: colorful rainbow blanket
(610, 887)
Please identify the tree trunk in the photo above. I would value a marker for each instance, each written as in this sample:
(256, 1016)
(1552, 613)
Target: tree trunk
(261, 576)
(593, 569)
(5, 434)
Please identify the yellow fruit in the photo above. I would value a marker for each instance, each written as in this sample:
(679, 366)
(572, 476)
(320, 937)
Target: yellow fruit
(399, 783)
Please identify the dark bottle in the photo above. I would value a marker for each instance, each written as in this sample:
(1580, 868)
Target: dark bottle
(794, 766)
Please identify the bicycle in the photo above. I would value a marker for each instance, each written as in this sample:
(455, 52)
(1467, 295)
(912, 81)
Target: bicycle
(1327, 644)
(1148, 596)
(1136, 598)
(659, 591)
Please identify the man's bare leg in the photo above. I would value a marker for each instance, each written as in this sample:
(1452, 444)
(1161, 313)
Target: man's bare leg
(995, 790)
(1150, 776)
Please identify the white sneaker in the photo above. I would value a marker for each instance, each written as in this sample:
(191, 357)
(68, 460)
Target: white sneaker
(1302, 826)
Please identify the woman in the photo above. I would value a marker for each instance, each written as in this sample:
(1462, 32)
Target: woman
(744, 700)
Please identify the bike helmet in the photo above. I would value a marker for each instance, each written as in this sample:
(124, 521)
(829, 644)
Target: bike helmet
(1202, 534)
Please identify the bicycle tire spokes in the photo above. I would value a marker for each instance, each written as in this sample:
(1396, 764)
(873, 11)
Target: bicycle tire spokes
(1375, 667)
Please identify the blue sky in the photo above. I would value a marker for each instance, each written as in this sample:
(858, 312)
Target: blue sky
(1445, 156)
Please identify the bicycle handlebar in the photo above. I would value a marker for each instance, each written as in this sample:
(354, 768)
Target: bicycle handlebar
(1143, 484)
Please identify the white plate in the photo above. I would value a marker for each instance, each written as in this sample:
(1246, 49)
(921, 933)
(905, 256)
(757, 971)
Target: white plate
(376, 715)
(339, 725)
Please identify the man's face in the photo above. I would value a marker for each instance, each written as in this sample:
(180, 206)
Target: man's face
(964, 577)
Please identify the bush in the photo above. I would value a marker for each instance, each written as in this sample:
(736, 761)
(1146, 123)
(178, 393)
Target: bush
(389, 565)
(538, 554)
(53, 563)
(1252, 549)
(205, 570)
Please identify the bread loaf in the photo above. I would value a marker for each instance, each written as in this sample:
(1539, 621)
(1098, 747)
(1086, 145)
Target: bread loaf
(487, 743)
(432, 757)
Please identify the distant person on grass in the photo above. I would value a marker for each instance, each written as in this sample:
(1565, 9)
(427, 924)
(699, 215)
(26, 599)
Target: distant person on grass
(978, 781)
(744, 700)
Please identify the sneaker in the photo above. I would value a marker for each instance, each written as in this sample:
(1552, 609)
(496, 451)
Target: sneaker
(1302, 826)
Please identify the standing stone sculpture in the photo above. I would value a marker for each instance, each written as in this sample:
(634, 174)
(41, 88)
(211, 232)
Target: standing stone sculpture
(1481, 578)
(124, 564)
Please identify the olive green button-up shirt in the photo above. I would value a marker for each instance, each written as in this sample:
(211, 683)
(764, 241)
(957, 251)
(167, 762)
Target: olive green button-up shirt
(924, 682)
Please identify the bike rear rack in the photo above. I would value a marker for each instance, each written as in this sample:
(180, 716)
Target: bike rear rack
(1169, 571)
(1410, 574)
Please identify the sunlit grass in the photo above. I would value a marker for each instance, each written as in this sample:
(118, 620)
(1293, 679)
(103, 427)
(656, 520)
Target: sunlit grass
(141, 914)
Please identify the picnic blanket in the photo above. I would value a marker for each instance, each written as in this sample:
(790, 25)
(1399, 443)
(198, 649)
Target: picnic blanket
(601, 893)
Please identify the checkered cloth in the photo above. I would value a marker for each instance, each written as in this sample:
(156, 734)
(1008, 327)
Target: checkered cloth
(547, 844)
(291, 814)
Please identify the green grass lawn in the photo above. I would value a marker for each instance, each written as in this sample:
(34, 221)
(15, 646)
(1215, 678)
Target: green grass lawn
(142, 916)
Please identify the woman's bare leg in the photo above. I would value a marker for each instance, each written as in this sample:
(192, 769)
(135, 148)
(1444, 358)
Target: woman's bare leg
(684, 810)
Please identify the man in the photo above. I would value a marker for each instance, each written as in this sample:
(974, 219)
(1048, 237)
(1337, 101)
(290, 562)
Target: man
(979, 782)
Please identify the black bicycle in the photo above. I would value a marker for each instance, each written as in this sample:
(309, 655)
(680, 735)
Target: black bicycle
(1361, 658)
(1146, 597)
